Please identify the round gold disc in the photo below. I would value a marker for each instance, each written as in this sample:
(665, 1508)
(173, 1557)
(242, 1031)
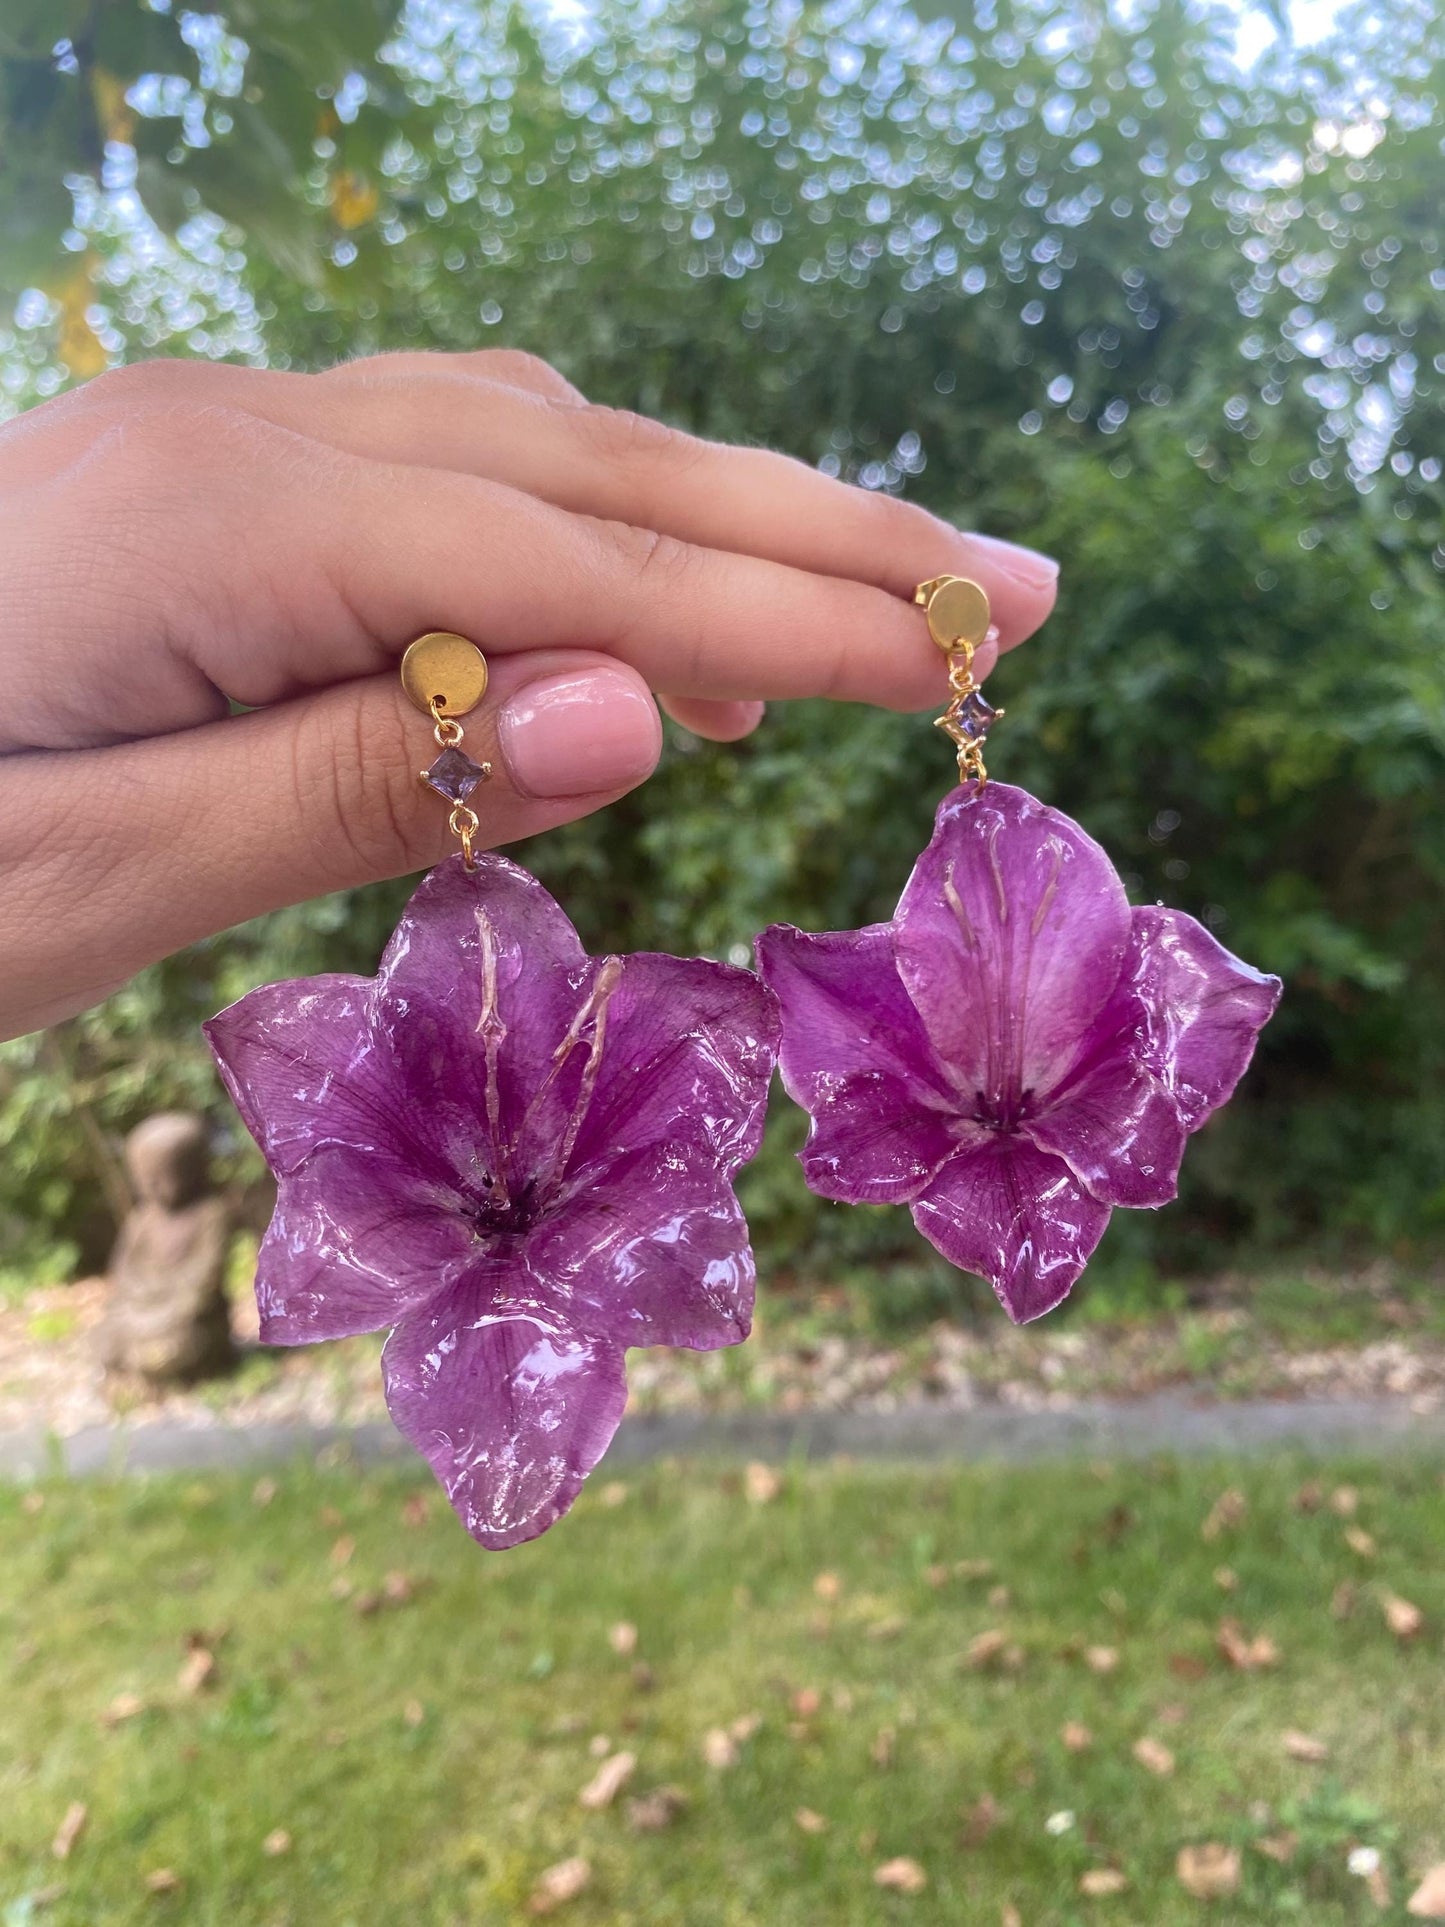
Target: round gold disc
(958, 612)
(443, 674)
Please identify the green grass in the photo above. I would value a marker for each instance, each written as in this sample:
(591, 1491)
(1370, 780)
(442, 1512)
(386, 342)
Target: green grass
(450, 1817)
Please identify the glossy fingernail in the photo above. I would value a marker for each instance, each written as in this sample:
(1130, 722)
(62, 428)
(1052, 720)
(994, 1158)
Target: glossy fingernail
(1026, 566)
(569, 735)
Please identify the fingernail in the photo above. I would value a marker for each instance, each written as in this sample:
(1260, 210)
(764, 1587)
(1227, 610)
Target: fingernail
(1027, 566)
(570, 735)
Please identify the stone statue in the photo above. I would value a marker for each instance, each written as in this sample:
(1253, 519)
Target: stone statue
(166, 1318)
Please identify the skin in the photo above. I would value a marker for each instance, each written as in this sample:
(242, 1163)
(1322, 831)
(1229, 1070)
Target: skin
(176, 537)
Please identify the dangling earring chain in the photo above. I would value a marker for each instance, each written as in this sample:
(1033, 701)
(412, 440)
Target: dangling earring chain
(958, 621)
(445, 676)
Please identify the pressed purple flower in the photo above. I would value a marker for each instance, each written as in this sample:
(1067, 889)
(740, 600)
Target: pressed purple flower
(517, 1156)
(1017, 1052)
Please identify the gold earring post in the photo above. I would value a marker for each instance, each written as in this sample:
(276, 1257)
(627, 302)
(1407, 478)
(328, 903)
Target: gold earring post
(445, 676)
(958, 620)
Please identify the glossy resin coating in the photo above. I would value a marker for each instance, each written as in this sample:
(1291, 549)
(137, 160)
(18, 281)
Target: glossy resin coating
(517, 1156)
(1017, 1052)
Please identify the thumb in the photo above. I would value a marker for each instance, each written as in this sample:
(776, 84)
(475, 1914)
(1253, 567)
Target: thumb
(112, 858)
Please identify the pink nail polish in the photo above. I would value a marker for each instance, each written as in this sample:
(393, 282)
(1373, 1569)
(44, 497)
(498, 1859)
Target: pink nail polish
(575, 734)
(1026, 566)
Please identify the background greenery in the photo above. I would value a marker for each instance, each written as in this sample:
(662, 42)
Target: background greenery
(1094, 284)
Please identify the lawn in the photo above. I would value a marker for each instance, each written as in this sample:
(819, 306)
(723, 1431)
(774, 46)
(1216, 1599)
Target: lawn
(313, 1702)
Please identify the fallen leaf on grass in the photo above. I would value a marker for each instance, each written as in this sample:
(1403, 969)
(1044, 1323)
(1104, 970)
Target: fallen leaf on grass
(827, 1587)
(1428, 1900)
(806, 1821)
(125, 1706)
(343, 1550)
(1365, 1864)
(1187, 1666)
(198, 1668)
(398, 1589)
(744, 1726)
(888, 1628)
(1361, 1542)
(651, 1812)
(1404, 1620)
(413, 1712)
(1279, 1847)
(607, 1782)
(264, 1491)
(880, 1749)
(163, 1880)
(1246, 1655)
(32, 1504)
(1099, 1881)
(1209, 1871)
(1310, 1496)
(761, 1483)
(1228, 1511)
(1076, 1737)
(622, 1638)
(277, 1842)
(559, 1884)
(980, 1820)
(984, 1649)
(901, 1876)
(806, 1702)
(1010, 1916)
(1344, 1501)
(719, 1749)
(415, 1510)
(614, 1493)
(1342, 1600)
(1300, 1746)
(1101, 1659)
(643, 1677)
(1155, 1756)
(1226, 1578)
(70, 1829)
(973, 1568)
(599, 1746)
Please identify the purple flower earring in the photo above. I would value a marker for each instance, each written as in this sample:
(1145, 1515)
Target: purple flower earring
(1018, 1051)
(517, 1157)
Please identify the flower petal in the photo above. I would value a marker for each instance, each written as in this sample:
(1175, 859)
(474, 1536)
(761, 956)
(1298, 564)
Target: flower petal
(688, 1051)
(855, 1055)
(365, 1228)
(1206, 1009)
(296, 1060)
(653, 1250)
(509, 1405)
(483, 979)
(355, 1243)
(1010, 937)
(1017, 1217)
(1169, 1049)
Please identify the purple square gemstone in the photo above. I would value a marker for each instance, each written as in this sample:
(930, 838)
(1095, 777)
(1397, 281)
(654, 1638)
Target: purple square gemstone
(976, 716)
(454, 775)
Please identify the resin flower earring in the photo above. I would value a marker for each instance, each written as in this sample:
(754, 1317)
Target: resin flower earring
(1018, 1051)
(516, 1156)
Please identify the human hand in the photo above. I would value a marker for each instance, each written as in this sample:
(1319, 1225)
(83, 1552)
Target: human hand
(177, 536)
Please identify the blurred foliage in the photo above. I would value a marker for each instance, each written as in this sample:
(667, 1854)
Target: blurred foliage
(1074, 275)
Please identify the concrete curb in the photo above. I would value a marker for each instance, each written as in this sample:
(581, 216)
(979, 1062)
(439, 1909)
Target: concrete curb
(1096, 1429)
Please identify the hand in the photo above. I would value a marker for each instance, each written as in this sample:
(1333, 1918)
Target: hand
(178, 537)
